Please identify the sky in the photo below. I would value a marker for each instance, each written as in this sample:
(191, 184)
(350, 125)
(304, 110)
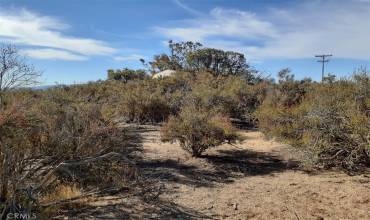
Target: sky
(76, 41)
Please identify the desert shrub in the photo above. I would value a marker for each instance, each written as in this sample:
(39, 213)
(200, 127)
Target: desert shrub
(134, 101)
(143, 103)
(289, 92)
(76, 131)
(197, 130)
(231, 96)
(18, 133)
(241, 98)
(335, 128)
(153, 100)
(48, 140)
(277, 114)
(329, 122)
(174, 89)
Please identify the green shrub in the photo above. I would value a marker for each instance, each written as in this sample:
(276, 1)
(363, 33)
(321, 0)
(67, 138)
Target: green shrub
(197, 130)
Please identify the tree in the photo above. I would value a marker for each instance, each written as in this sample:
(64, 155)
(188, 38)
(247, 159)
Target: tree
(218, 62)
(191, 56)
(14, 71)
(177, 59)
(330, 78)
(180, 53)
(285, 75)
(160, 63)
(289, 91)
(126, 74)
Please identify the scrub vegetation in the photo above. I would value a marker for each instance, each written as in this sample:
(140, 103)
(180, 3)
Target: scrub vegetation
(62, 145)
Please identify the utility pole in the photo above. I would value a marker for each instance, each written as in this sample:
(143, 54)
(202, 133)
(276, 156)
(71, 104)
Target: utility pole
(323, 60)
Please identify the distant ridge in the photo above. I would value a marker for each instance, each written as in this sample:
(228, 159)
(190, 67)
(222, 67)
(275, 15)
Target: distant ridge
(42, 87)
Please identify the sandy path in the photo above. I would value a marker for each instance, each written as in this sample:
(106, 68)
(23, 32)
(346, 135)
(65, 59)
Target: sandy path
(257, 179)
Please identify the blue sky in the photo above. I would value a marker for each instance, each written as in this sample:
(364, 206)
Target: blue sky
(74, 41)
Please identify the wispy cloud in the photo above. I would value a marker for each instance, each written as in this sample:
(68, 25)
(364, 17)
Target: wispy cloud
(52, 54)
(133, 57)
(26, 28)
(186, 8)
(224, 23)
(297, 32)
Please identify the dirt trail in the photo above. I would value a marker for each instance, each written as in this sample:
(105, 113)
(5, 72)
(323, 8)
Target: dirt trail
(256, 179)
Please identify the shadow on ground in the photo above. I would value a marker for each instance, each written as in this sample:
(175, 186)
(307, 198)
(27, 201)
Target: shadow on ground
(141, 200)
(119, 208)
(223, 167)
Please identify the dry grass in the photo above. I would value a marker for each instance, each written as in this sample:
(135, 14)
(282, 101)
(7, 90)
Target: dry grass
(62, 192)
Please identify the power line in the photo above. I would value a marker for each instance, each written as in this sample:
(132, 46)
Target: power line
(323, 61)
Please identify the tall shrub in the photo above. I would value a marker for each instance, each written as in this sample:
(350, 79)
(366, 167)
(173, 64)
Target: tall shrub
(198, 130)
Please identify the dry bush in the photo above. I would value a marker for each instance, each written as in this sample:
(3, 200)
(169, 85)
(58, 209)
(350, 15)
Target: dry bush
(330, 123)
(197, 130)
(240, 98)
(142, 103)
(174, 89)
(335, 128)
(66, 135)
(232, 96)
(50, 140)
(153, 100)
(228, 95)
(277, 115)
(19, 136)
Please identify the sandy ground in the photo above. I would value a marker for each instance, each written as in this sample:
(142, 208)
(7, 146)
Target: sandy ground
(256, 179)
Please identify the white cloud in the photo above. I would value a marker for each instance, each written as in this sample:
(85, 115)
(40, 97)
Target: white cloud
(221, 22)
(133, 57)
(29, 29)
(186, 8)
(52, 54)
(338, 27)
